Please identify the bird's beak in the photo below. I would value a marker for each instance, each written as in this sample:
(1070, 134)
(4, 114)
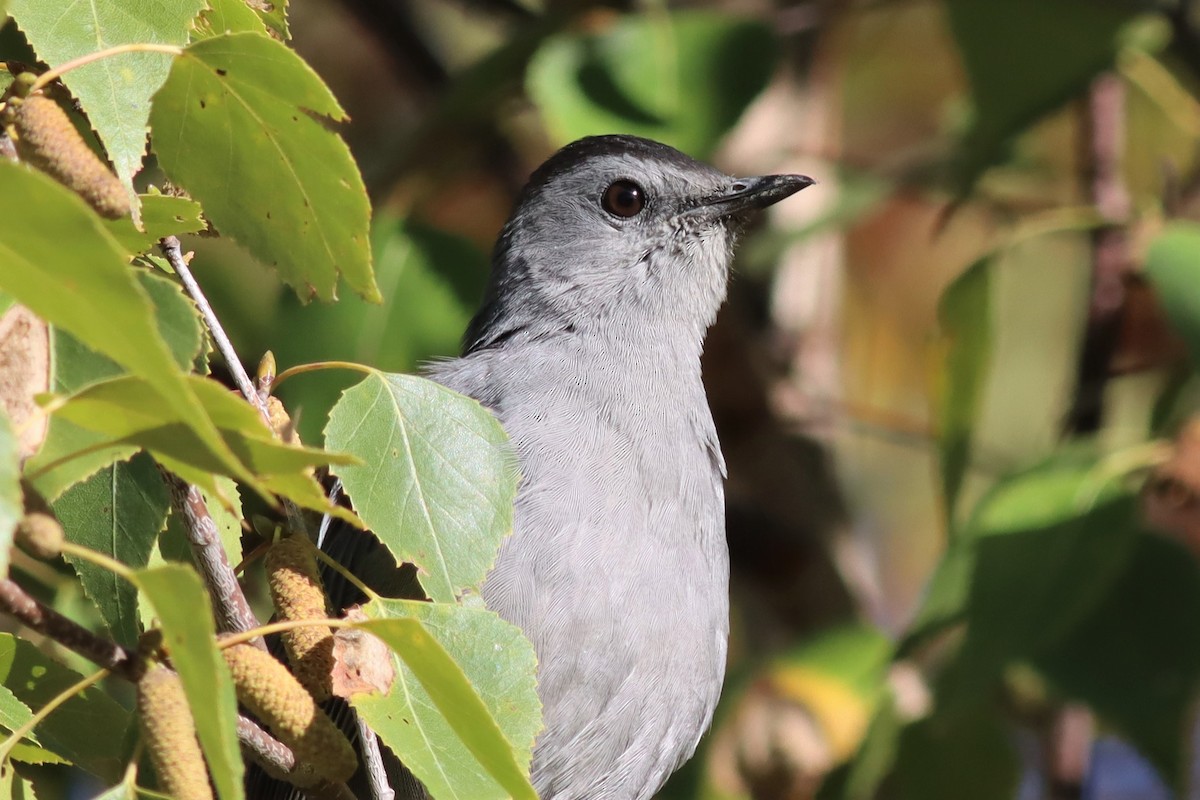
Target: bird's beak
(750, 194)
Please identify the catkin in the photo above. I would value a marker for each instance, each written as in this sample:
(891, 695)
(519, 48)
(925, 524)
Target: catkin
(275, 696)
(40, 534)
(291, 566)
(46, 139)
(170, 736)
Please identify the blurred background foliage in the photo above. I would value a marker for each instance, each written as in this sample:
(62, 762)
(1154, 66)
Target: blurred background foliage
(953, 381)
(941, 382)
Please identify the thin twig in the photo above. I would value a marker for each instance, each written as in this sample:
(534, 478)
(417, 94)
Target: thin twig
(230, 607)
(171, 249)
(280, 626)
(105, 653)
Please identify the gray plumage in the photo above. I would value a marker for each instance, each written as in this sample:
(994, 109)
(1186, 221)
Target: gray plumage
(587, 348)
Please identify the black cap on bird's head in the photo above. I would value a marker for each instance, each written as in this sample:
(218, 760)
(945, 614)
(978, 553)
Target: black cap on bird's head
(618, 231)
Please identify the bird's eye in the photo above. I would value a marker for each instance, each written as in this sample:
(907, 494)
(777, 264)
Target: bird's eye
(623, 199)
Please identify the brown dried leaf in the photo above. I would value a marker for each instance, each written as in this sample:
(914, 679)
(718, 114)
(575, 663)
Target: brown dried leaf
(362, 664)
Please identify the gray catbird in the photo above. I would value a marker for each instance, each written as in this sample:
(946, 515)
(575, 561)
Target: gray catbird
(587, 348)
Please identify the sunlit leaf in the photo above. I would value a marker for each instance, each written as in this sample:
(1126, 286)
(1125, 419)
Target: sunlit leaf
(463, 711)
(436, 480)
(125, 412)
(964, 314)
(251, 90)
(683, 78)
(182, 607)
(119, 512)
(61, 263)
(274, 14)
(13, 786)
(115, 92)
(162, 215)
(35, 679)
(14, 713)
(76, 366)
(228, 16)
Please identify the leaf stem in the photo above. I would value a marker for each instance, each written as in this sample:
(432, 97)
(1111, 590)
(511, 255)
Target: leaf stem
(140, 47)
(280, 627)
(334, 565)
(99, 559)
(24, 730)
(319, 365)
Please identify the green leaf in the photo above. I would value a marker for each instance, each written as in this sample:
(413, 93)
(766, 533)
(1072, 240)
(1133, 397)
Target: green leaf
(964, 315)
(436, 480)
(115, 92)
(15, 787)
(463, 711)
(182, 607)
(664, 76)
(76, 366)
(12, 507)
(119, 512)
(1173, 267)
(1135, 659)
(855, 655)
(14, 714)
(227, 16)
(127, 413)
(61, 263)
(257, 111)
(274, 14)
(955, 757)
(35, 679)
(162, 215)
(1013, 86)
(1030, 539)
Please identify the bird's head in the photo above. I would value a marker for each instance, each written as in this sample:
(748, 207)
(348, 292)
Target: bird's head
(617, 231)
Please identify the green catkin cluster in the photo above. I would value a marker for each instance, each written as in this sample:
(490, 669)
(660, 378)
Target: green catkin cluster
(40, 534)
(291, 566)
(275, 696)
(46, 139)
(170, 735)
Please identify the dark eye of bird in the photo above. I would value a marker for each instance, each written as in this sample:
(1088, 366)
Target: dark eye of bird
(623, 199)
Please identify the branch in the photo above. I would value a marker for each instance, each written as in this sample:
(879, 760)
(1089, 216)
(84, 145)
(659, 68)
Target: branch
(30, 612)
(230, 608)
(171, 249)
(257, 743)
(273, 755)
